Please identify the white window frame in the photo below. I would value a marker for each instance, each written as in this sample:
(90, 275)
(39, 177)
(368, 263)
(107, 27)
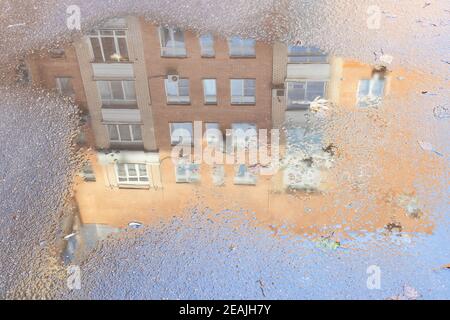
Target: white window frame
(218, 174)
(113, 101)
(242, 99)
(207, 52)
(130, 128)
(304, 102)
(141, 180)
(116, 38)
(370, 98)
(178, 99)
(243, 127)
(173, 50)
(371, 87)
(209, 99)
(242, 50)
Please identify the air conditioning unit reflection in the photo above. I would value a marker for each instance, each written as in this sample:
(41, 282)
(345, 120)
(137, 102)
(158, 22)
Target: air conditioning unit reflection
(173, 78)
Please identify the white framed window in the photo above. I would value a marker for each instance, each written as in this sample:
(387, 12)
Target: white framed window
(109, 45)
(132, 173)
(299, 54)
(240, 47)
(207, 45)
(181, 133)
(210, 91)
(244, 134)
(243, 91)
(125, 132)
(177, 92)
(65, 87)
(300, 94)
(172, 42)
(213, 133)
(370, 92)
(114, 92)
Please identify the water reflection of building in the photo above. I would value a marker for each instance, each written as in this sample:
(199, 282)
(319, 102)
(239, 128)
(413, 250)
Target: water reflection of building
(137, 83)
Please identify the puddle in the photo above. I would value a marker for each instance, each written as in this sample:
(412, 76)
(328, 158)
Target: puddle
(257, 144)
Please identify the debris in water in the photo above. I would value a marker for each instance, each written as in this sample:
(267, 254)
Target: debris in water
(135, 225)
(441, 112)
(394, 227)
(328, 243)
(427, 146)
(70, 236)
(409, 293)
(261, 286)
(16, 25)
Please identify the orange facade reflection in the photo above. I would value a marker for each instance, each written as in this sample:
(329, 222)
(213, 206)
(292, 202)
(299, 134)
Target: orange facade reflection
(351, 180)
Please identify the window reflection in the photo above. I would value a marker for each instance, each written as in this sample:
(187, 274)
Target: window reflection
(207, 45)
(370, 92)
(172, 42)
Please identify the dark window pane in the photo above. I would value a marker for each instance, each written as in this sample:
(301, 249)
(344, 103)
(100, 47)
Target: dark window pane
(108, 47)
(165, 36)
(113, 133)
(96, 49)
(123, 48)
(125, 134)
